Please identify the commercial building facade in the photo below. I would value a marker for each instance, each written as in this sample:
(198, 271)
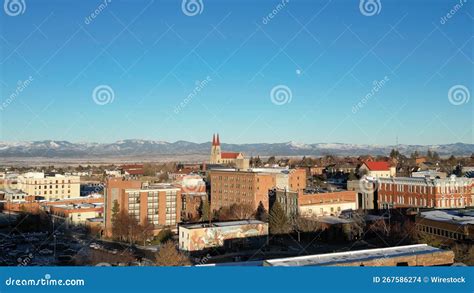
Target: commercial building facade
(201, 236)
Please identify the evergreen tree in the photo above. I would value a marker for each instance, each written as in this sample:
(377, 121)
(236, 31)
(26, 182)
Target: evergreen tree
(261, 214)
(204, 210)
(429, 154)
(278, 221)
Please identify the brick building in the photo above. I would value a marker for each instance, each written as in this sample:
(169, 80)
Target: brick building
(159, 204)
(406, 192)
(232, 186)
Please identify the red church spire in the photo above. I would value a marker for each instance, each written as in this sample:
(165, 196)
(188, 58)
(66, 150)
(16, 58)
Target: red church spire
(218, 142)
(213, 139)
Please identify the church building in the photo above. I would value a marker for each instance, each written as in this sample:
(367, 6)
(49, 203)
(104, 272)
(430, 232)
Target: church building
(219, 157)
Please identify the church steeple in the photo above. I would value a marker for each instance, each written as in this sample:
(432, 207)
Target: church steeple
(215, 150)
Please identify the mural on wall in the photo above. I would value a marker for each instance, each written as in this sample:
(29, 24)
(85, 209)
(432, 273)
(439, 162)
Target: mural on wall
(216, 236)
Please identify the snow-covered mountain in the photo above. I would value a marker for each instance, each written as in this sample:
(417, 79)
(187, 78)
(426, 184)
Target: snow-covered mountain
(137, 147)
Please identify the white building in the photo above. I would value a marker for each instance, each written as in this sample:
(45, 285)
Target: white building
(378, 169)
(54, 187)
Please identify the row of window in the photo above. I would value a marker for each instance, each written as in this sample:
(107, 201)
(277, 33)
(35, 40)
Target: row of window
(441, 232)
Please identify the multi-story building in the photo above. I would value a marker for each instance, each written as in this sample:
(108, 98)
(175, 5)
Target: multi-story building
(318, 204)
(51, 187)
(232, 186)
(378, 169)
(158, 204)
(406, 192)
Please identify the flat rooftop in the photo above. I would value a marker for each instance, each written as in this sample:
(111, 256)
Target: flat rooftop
(221, 224)
(256, 170)
(353, 256)
(460, 217)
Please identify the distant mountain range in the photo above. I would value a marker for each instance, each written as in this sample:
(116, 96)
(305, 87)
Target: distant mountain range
(150, 148)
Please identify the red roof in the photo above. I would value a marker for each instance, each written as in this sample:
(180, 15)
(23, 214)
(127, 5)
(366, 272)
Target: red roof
(229, 155)
(378, 166)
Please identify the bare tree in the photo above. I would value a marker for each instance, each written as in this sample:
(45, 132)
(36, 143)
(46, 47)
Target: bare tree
(170, 256)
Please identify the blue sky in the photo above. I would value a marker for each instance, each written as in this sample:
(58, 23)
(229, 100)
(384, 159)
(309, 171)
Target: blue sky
(155, 57)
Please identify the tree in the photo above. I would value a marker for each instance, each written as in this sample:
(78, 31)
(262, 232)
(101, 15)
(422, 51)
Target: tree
(352, 176)
(164, 236)
(278, 221)
(271, 160)
(429, 154)
(307, 225)
(168, 255)
(242, 211)
(358, 223)
(261, 214)
(394, 154)
(146, 231)
(204, 211)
